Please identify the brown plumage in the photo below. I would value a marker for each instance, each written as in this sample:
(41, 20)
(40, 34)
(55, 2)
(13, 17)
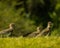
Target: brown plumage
(9, 30)
(35, 33)
(45, 31)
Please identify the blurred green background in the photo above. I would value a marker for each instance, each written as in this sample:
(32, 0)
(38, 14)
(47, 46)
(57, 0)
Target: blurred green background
(28, 14)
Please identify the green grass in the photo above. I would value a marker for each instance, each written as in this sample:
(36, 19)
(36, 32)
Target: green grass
(8, 14)
(20, 42)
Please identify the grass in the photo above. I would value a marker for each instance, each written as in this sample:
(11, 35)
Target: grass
(20, 42)
(8, 15)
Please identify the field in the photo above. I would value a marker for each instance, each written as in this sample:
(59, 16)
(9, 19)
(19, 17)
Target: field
(9, 13)
(20, 42)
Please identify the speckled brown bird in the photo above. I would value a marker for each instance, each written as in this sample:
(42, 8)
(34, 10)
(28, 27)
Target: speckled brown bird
(33, 34)
(46, 31)
(8, 30)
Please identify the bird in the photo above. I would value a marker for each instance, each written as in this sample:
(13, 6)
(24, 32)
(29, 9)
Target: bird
(8, 30)
(33, 34)
(46, 31)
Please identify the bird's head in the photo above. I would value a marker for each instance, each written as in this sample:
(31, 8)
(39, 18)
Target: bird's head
(12, 25)
(49, 24)
(39, 28)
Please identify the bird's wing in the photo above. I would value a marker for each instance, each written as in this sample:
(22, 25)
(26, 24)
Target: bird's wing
(5, 31)
(42, 32)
